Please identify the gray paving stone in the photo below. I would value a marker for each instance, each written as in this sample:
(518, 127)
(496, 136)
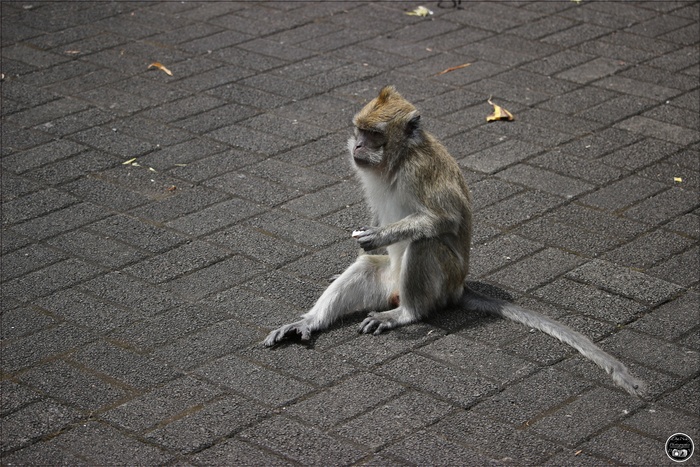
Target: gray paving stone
(575, 421)
(68, 384)
(350, 398)
(524, 401)
(624, 281)
(405, 413)
(172, 203)
(154, 331)
(138, 233)
(477, 359)
(54, 277)
(16, 396)
(320, 369)
(41, 155)
(213, 422)
(86, 310)
(499, 252)
(591, 301)
(34, 421)
(647, 250)
(545, 180)
(683, 398)
(494, 440)
(459, 387)
(680, 269)
(136, 370)
(164, 403)
(215, 217)
(177, 262)
(305, 445)
(208, 343)
(657, 420)
(622, 193)
(35, 205)
(254, 381)
(110, 445)
(661, 355)
(663, 206)
(100, 249)
(20, 322)
(497, 157)
(234, 451)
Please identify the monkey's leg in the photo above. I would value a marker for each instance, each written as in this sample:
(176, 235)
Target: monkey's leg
(366, 284)
(431, 277)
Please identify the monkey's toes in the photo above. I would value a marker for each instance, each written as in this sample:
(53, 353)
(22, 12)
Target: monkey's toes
(368, 325)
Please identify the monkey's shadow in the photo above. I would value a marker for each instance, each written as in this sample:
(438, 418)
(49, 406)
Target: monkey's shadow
(450, 319)
(458, 317)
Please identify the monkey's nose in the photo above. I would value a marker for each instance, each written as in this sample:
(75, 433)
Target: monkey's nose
(358, 145)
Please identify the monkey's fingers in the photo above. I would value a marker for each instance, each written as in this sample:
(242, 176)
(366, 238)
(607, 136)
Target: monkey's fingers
(277, 335)
(304, 331)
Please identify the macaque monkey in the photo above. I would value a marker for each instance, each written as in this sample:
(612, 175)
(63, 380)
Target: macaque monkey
(422, 214)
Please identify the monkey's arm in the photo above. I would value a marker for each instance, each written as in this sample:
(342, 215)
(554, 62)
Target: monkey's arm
(415, 226)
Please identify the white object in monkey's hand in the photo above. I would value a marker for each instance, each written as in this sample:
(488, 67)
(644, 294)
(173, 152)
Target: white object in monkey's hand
(368, 238)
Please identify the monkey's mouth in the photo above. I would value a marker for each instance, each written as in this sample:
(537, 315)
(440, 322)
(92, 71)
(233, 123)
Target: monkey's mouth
(362, 161)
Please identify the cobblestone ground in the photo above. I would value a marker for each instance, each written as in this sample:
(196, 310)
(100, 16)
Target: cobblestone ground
(156, 227)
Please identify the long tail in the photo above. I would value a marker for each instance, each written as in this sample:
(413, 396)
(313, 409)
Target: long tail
(620, 374)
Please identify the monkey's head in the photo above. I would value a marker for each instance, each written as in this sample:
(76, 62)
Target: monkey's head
(385, 126)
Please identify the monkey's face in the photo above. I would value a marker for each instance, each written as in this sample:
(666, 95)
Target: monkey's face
(385, 126)
(367, 147)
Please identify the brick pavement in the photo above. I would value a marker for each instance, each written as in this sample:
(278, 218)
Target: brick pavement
(135, 296)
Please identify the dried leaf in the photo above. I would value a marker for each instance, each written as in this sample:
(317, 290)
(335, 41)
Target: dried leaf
(161, 67)
(180, 165)
(172, 188)
(499, 113)
(419, 11)
(130, 161)
(577, 453)
(678, 179)
(453, 68)
(152, 169)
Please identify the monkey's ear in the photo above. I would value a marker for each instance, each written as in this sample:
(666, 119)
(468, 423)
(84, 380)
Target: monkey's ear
(385, 93)
(413, 123)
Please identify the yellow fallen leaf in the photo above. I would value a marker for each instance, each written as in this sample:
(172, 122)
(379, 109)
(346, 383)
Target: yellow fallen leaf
(152, 169)
(419, 11)
(180, 165)
(129, 161)
(578, 453)
(453, 68)
(72, 52)
(161, 67)
(499, 113)
(677, 179)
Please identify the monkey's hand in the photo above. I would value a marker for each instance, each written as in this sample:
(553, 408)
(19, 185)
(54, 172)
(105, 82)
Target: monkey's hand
(299, 327)
(368, 238)
(377, 322)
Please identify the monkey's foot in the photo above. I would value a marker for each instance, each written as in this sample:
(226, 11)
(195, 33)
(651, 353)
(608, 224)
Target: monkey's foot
(378, 322)
(298, 327)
